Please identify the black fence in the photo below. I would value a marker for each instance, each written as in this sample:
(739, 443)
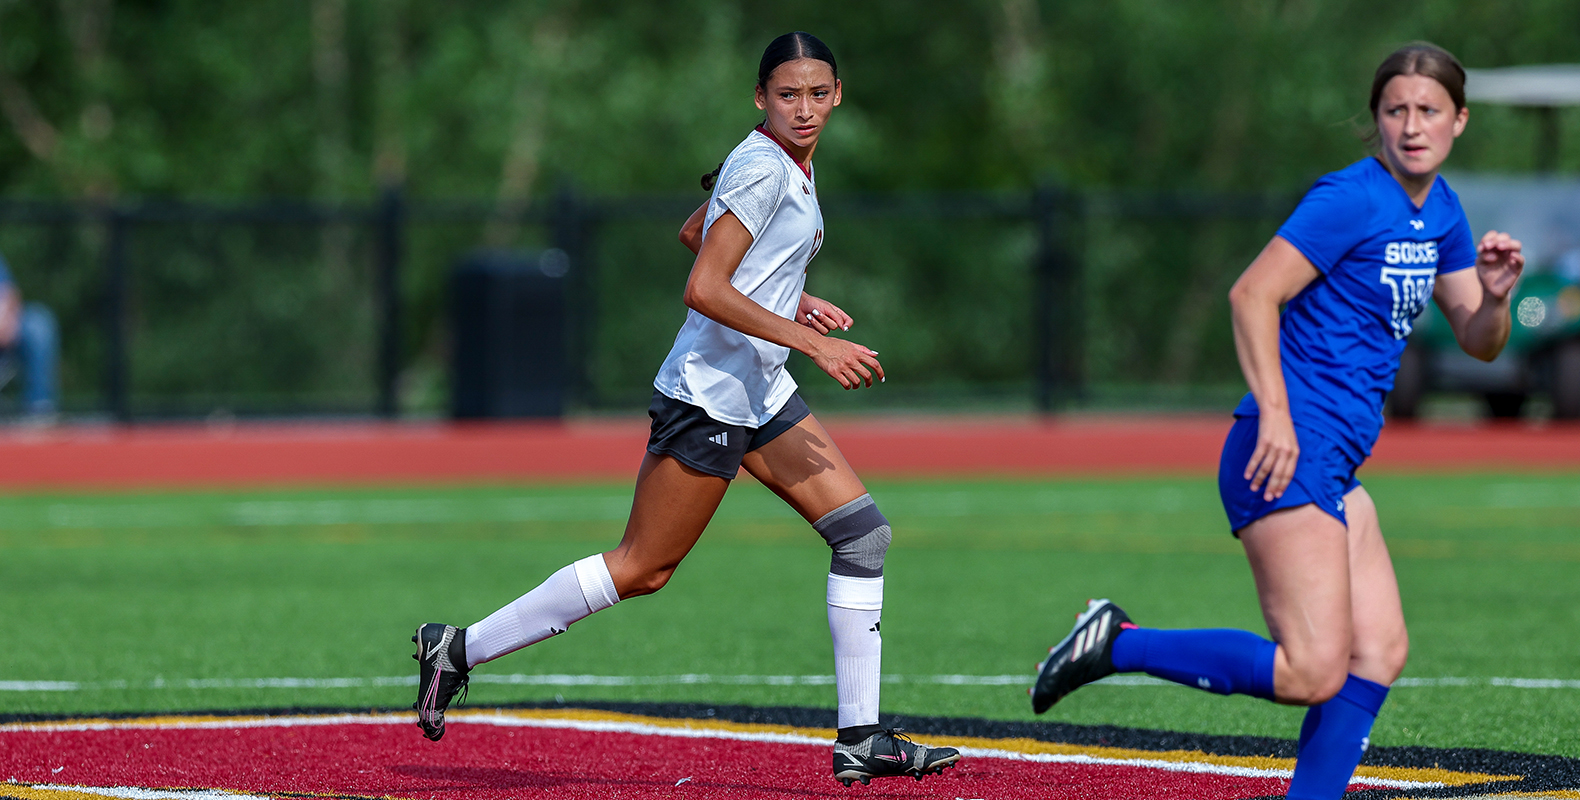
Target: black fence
(1041, 299)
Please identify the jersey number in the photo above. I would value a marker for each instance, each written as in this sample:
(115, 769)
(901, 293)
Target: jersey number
(1411, 289)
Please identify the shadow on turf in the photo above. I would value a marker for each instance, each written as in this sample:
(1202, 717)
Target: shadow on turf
(1540, 773)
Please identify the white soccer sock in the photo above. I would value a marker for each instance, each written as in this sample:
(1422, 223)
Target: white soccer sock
(854, 606)
(572, 593)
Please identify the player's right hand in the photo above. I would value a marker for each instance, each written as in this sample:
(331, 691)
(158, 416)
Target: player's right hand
(851, 364)
(1277, 451)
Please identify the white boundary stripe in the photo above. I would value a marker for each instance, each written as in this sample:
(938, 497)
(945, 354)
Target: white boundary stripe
(595, 726)
(178, 724)
(516, 679)
(442, 507)
(645, 729)
(1510, 683)
(681, 680)
(135, 793)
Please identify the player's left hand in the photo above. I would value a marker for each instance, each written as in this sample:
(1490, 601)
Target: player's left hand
(820, 315)
(1499, 263)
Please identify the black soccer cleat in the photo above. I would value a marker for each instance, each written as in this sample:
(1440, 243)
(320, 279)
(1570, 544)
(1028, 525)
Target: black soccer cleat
(442, 670)
(889, 754)
(1084, 656)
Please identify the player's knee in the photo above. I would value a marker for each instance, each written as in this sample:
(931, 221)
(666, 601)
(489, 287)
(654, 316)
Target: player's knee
(859, 535)
(1386, 660)
(1314, 678)
(646, 582)
(1398, 656)
(633, 579)
(1312, 690)
(1322, 688)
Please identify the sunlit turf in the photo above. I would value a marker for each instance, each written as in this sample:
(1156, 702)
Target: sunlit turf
(134, 595)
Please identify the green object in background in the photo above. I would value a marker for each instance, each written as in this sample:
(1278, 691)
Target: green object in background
(1542, 354)
(146, 603)
(1545, 307)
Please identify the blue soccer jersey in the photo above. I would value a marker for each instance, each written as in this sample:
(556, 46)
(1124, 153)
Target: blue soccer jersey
(1379, 255)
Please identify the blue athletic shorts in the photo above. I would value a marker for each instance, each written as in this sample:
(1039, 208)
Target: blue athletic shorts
(1323, 475)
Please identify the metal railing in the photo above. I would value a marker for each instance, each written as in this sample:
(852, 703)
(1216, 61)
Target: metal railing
(389, 311)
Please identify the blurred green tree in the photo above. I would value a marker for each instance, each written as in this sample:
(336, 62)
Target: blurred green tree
(329, 98)
(334, 99)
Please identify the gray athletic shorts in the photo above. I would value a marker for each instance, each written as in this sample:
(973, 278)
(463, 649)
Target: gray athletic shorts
(687, 433)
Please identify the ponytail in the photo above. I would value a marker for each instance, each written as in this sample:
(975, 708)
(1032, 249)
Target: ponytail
(711, 178)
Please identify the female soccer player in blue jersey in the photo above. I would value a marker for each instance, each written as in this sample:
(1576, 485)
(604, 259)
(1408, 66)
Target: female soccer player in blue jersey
(1355, 263)
(723, 401)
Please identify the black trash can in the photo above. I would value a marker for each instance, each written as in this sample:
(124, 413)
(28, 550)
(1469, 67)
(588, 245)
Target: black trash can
(508, 320)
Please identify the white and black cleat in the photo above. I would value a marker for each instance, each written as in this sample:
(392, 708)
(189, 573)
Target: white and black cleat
(441, 672)
(887, 753)
(1084, 656)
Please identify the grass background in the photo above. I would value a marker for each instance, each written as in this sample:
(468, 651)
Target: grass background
(983, 576)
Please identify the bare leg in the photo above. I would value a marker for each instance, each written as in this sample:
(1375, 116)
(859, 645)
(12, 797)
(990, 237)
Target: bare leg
(1381, 643)
(1335, 734)
(1331, 603)
(1300, 559)
(1330, 598)
(672, 506)
(805, 468)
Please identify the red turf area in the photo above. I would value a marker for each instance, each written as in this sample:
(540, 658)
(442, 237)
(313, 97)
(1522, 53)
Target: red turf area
(368, 453)
(481, 762)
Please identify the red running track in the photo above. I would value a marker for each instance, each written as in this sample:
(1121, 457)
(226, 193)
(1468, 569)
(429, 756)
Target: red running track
(483, 762)
(369, 453)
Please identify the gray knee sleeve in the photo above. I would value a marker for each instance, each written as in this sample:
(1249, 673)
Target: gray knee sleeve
(859, 536)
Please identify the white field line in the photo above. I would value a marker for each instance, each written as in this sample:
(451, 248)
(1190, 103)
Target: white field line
(198, 684)
(597, 726)
(269, 513)
(135, 793)
(1511, 683)
(220, 724)
(163, 513)
(644, 729)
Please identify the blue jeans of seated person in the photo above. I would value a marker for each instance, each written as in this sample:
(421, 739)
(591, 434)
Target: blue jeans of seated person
(37, 348)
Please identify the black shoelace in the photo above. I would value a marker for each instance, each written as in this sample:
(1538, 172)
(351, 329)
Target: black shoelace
(897, 734)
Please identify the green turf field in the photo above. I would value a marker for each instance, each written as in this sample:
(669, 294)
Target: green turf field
(174, 601)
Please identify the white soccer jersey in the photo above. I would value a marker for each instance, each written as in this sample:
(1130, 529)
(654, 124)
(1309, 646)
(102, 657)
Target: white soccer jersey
(739, 379)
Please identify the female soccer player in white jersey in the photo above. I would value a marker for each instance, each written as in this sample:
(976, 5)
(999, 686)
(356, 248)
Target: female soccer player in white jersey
(722, 401)
(1355, 263)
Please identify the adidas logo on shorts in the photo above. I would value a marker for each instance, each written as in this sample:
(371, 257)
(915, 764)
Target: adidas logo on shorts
(721, 439)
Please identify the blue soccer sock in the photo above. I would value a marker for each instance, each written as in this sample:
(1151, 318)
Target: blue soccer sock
(1333, 738)
(1216, 659)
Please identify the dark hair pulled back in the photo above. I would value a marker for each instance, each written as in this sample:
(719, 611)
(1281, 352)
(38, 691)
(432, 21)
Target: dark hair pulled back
(789, 47)
(1421, 58)
(792, 46)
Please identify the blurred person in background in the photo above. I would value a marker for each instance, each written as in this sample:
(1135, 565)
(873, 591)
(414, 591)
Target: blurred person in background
(723, 401)
(1352, 267)
(29, 346)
